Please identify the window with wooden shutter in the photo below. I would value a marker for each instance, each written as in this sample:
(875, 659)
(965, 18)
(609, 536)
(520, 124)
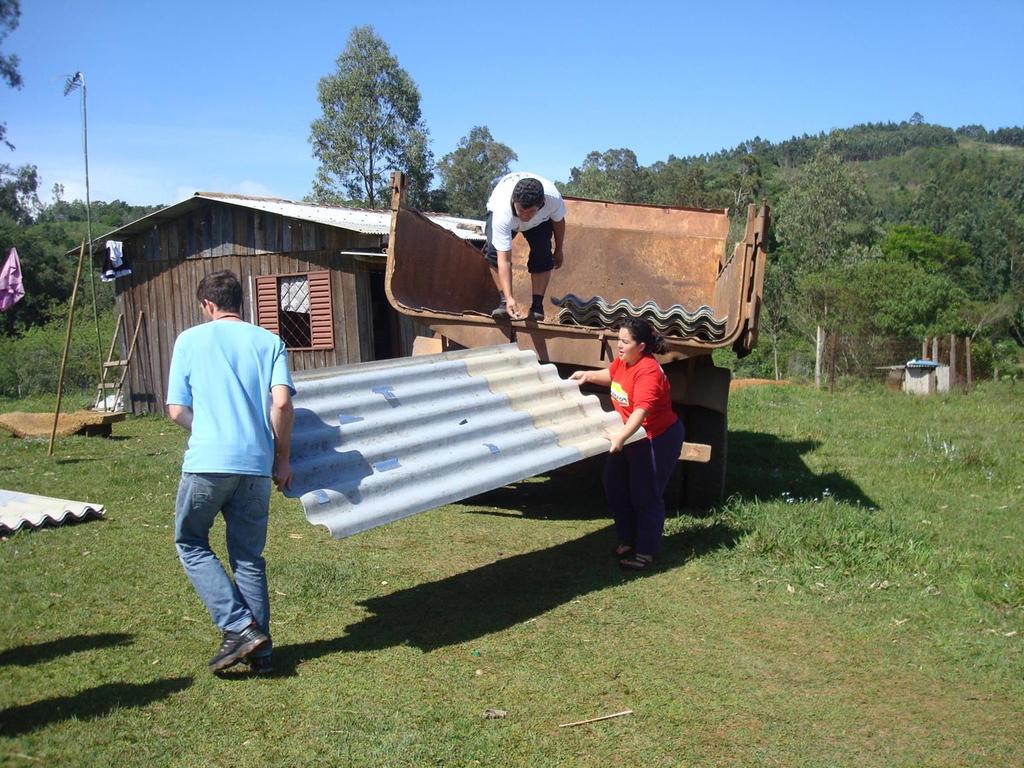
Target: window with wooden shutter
(298, 308)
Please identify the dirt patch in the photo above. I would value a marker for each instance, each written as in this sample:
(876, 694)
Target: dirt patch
(741, 383)
(41, 424)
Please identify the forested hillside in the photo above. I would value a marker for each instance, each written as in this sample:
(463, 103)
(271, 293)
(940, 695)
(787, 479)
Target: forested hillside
(882, 233)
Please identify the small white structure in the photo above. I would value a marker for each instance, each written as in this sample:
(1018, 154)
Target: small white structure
(925, 377)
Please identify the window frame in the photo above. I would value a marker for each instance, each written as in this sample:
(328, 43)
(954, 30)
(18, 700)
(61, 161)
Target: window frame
(321, 307)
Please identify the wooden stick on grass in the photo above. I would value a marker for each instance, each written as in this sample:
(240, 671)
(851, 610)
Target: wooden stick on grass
(596, 719)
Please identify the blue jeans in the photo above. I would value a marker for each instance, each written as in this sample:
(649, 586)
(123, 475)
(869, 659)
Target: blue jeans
(634, 483)
(244, 500)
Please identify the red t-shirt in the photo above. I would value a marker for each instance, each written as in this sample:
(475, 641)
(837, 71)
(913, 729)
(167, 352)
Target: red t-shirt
(642, 385)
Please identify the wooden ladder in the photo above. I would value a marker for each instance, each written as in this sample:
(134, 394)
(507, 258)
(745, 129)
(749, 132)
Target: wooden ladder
(115, 366)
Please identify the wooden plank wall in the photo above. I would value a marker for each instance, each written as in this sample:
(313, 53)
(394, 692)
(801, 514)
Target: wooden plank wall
(235, 239)
(217, 229)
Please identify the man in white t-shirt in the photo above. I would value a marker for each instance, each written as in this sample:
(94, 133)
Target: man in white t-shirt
(527, 203)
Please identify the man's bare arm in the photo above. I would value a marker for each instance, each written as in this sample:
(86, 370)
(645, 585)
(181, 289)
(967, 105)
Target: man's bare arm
(282, 418)
(558, 229)
(180, 415)
(505, 282)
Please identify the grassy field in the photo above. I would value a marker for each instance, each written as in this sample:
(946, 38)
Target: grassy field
(858, 601)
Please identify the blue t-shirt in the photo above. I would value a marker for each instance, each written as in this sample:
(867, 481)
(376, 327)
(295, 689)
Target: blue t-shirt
(223, 370)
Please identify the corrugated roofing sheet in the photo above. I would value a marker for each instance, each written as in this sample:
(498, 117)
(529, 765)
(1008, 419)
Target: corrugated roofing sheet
(26, 510)
(675, 320)
(355, 219)
(376, 442)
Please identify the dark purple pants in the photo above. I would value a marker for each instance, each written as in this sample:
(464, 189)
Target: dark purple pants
(634, 483)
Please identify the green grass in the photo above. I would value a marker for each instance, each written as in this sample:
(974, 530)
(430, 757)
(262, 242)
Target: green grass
(859, 600)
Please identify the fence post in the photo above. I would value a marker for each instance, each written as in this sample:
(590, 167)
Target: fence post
(935, 349)
(967, 354)
(954, 381)
(832, 362)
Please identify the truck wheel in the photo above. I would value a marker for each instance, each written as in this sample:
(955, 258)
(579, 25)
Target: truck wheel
(702, 486)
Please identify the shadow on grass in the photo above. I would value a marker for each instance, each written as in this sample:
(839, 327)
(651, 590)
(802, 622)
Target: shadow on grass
(87, 705)
(499, 595)
(555, 496)
(23, 655)
(760, 466)
(764, 467)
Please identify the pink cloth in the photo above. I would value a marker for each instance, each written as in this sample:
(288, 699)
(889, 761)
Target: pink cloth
(11, 286)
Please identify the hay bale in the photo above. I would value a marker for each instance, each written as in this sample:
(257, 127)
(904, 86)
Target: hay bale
(77, 422)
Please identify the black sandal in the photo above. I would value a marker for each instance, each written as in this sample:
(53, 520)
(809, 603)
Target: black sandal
(623, 550)
(636, 563)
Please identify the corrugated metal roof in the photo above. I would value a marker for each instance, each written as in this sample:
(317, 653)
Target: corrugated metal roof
(355, 219)
(676, 320)
(18, 510)
(376, 442)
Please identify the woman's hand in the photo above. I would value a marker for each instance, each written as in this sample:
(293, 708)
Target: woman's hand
(617, 442)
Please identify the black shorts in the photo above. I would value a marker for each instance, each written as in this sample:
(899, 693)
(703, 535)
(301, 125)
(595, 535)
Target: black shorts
(539, 239)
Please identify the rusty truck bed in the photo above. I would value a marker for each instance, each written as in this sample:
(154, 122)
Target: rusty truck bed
(613, 250)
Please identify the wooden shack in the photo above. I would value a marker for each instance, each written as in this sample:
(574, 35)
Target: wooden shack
(313, 274)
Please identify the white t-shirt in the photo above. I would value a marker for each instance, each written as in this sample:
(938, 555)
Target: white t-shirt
(503, 219)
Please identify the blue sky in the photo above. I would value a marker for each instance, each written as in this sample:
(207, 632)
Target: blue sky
(219, 96)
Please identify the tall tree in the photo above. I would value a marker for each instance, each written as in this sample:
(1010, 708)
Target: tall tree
(682, 182)
(818, 219)
(371, 125)
(470, 171)
(821, 213)
(10, 13)
(612, 175)
(18, 193)
(745, 181)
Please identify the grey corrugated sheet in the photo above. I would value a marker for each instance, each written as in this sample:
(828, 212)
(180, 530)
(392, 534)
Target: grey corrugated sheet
(376, 442)
(354, 219)
(26, 510)
(675, 320)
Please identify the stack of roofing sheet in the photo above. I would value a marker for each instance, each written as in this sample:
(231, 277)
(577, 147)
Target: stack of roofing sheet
(674, 321)
(18, 510)
(376, 442)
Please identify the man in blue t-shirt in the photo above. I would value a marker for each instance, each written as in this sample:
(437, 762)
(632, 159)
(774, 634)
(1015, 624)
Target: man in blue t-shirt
(229, 386)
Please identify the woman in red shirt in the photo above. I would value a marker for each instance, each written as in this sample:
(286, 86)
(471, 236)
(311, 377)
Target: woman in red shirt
(636, 475)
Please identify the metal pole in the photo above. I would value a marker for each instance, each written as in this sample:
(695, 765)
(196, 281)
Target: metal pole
(67, 346)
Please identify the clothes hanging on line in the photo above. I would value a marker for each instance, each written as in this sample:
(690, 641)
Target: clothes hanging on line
(12, 287)
(114, 265)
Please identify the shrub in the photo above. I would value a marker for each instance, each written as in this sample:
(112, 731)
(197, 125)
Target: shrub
(30, 362)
